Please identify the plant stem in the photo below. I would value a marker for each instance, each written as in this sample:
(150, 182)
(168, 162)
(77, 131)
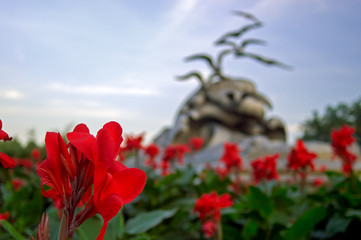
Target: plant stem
(63, 231)
(219, 234)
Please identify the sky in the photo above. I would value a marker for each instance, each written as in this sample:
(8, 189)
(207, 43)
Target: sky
(66, 62)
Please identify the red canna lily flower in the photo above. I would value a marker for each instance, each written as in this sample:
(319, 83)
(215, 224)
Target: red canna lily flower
(196, 143)
(133, 143)
(86, 171)
(265, 169)
(341, 140)
(3, 135)
(208, 207)
(112, 191)
(114, 183)
(7, 161)
(231, 156)
(152, 150)
(299, 159)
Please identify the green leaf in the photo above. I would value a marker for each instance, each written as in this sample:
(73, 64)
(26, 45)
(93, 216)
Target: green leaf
(260, 202)
(280, 217)
(116, 226)
(147, 220)
(250, 229)
(306, 223)
(91, 228)
(337, 225)
(335, 178)
(11, 230)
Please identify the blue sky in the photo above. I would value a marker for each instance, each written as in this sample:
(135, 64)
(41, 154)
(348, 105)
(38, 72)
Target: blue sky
(64, 62)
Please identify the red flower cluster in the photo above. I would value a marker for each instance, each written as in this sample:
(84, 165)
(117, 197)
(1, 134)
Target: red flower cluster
(152, 151)
(133, 143)
(196, 143)
(231, 159)
(300, 158)
(341, 140)
(85, 172)
(208, 207)
(5, 160)
(265, 169)
(172, 153)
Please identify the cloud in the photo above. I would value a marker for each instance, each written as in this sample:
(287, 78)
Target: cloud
(103, 90)
(70, 112)
(11, 94)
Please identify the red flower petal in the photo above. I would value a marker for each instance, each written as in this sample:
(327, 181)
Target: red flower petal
(84, 142)
(7, 161)
(107, 150)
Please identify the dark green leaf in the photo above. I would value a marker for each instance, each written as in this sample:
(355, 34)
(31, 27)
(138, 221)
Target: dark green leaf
(250, 229)
(11, 230)
(306, 223)
(91, 228)
(146, 220)
(260, 202)
(337, 225)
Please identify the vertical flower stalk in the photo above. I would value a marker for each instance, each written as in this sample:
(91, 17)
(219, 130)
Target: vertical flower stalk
(85, 174)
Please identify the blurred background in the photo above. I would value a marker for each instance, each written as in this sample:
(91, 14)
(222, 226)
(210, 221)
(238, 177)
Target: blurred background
(65, 62)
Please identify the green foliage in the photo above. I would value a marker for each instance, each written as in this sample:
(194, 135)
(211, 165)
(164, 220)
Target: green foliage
(319, 126)
(145, 221)
(306, 223)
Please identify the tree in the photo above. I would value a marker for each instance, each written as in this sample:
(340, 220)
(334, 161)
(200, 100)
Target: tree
(319, 126)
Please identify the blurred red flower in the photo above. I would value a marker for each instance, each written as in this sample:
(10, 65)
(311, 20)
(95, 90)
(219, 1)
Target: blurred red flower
(172, 153)
(341, 140)
(299, 159)
(196, 143)
(133, 143)
(208, 207)
(231, 156)
(4, 216)
(152, 150)
(265, 169)
(318, 181)
(18, 183)
(209, 228)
